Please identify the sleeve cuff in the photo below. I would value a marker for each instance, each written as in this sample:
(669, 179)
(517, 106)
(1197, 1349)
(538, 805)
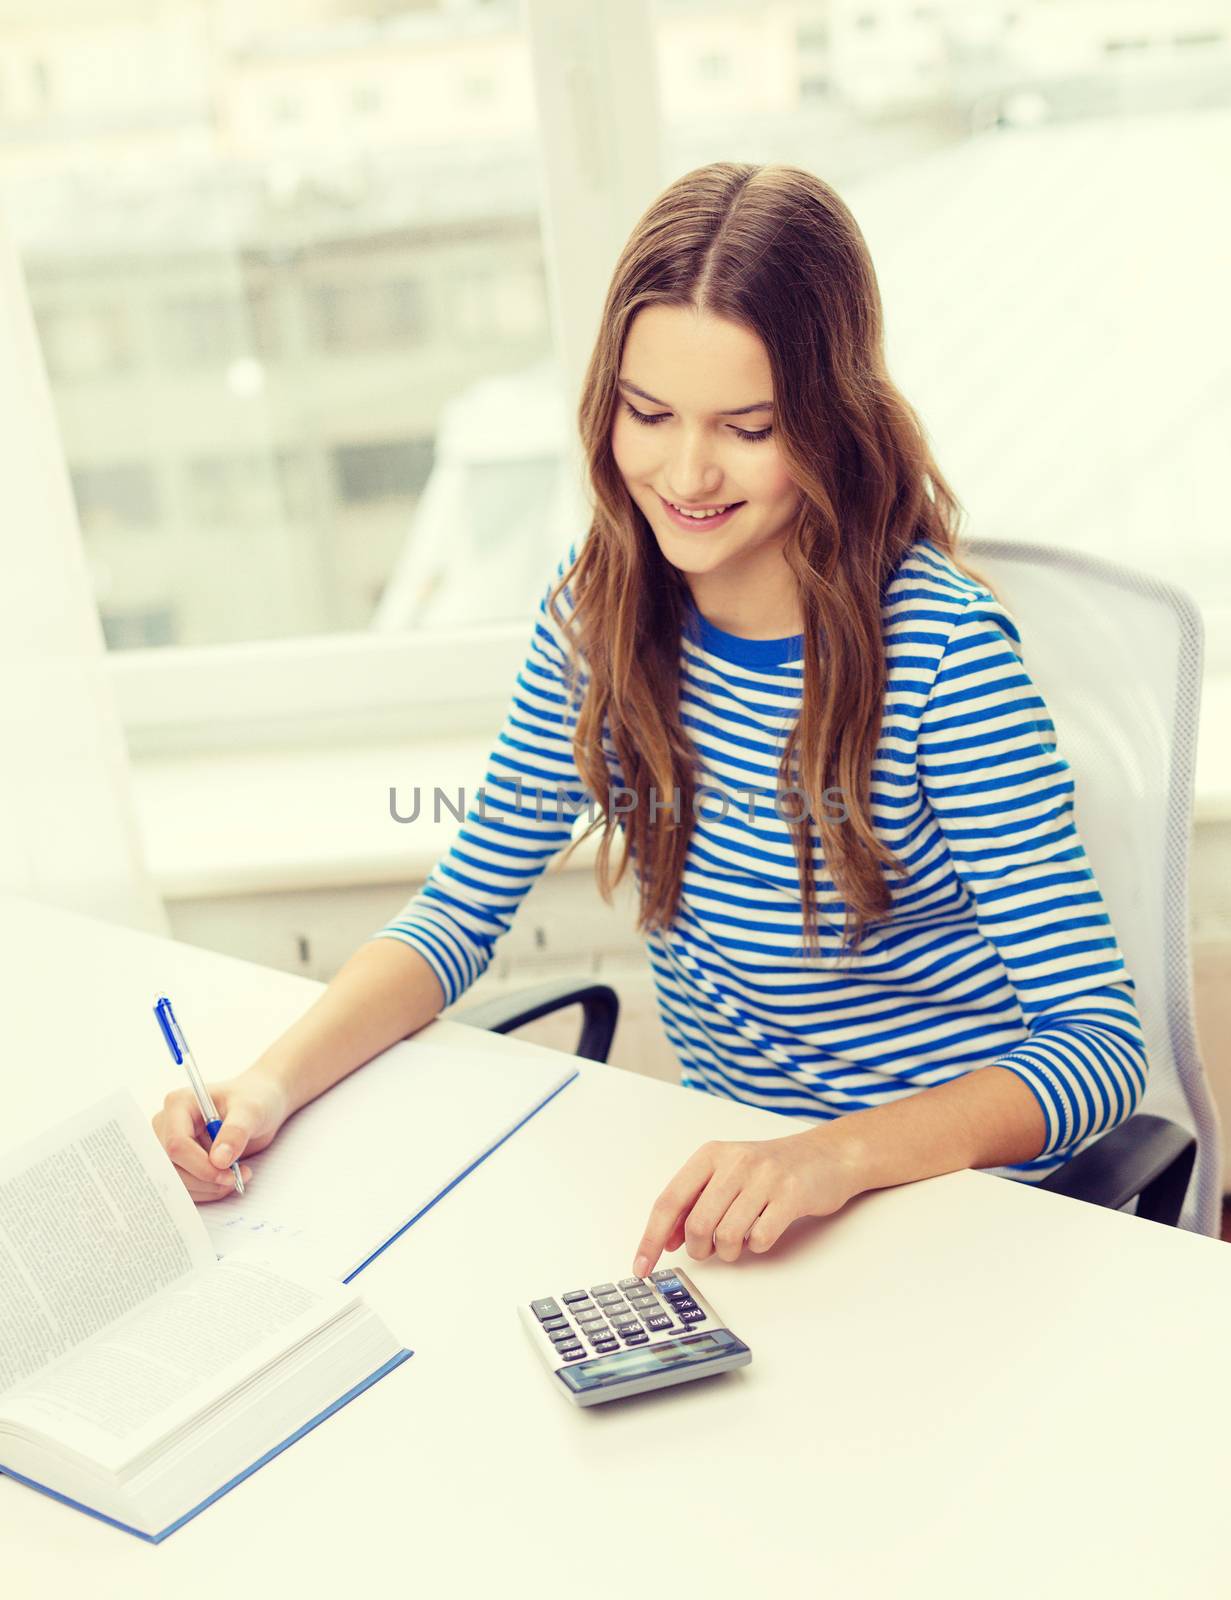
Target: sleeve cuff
(455, 965)
(1053, 1102)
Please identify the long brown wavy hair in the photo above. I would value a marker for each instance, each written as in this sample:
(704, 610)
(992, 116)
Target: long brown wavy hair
(775, 249)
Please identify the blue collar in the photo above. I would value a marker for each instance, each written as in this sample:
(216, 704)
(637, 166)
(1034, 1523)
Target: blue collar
(744, 652)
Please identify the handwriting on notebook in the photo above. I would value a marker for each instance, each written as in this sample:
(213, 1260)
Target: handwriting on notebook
(247, 1222)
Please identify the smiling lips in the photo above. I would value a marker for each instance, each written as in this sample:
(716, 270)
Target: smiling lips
(699, 518)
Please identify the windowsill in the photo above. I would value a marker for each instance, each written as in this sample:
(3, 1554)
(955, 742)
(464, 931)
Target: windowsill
(251, 822)
(248, 822)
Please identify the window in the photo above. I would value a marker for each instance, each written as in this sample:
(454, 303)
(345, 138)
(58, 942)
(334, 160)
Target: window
(370, 315)
(510, 306)
(118, 495)
(84, 340)
(396, 469)
(267, 259)
(138, 630)
(292, 358)
(231, 490)
(813, 36)
(1072, 393)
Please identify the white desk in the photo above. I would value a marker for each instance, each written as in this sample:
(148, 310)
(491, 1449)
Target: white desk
(959, 1387)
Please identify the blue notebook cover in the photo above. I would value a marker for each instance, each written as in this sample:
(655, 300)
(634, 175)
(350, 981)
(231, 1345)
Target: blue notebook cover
(157, 1538)
(465, 1173)
(395, 1361)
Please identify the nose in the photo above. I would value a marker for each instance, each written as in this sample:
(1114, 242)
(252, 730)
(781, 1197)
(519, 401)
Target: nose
(689, 477)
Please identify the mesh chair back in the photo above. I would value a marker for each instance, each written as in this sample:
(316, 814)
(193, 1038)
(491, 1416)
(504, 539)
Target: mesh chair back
(1116, 655)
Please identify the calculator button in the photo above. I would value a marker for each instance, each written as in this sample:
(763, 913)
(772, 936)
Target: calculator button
(563, 1336)
(574, 1295)
(572, 1352)
(695, 1315)
(658, 1324)
(552, 1323)
(609, 1297)
(544, 1309)
(626, 1320)
(640, 1337)
(587, 1317)
(664, 1275)
(669, 1284)
(606, 1346)
(600, 1289)
(683, 1303)
(628, 1283)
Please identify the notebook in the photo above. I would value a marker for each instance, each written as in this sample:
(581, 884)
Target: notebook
(354, 1168)
(141, 1377)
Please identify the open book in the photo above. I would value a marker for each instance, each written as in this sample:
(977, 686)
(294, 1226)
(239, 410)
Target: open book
(141, 1377)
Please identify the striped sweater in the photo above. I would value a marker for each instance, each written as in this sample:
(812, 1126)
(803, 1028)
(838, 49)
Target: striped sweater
(999, 950)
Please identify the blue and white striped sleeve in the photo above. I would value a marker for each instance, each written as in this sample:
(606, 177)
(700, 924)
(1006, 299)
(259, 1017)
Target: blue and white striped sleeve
(1002, 795)
(530, 796)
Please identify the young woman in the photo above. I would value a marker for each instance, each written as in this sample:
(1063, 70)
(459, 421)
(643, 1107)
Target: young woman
(863, 896)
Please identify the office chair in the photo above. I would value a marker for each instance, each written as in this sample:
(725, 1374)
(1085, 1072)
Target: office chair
(1116, 655)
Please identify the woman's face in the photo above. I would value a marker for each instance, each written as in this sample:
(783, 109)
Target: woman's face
(697, 452)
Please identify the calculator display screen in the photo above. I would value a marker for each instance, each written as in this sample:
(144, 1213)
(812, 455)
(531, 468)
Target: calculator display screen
(693, 1351)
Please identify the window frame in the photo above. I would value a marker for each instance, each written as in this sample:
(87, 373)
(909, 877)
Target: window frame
(597, 133)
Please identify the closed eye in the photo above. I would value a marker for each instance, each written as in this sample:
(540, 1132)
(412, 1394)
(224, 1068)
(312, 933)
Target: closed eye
(649, 420)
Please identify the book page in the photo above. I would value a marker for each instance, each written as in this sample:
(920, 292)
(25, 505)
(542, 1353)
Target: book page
(171, 1357)
(93, 1220)
(355, 1165)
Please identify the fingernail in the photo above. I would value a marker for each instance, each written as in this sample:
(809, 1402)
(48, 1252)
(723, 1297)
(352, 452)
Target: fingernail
(641, 1266)
(222, 1154)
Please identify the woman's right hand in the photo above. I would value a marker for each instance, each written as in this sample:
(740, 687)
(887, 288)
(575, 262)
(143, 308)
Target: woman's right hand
(253, 1106)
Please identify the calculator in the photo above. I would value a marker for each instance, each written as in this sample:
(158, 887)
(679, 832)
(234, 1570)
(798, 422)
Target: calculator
(616, 1339)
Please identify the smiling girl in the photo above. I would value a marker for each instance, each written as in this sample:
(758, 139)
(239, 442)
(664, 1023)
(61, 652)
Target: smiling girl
(862, 893)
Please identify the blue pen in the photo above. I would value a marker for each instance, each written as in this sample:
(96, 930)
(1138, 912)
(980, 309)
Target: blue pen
(182, 1056)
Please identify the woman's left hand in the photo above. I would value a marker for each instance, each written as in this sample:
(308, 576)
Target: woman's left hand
(732, 1191)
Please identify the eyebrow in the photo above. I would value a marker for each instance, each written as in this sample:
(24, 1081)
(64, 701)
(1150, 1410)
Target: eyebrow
(736, 411)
